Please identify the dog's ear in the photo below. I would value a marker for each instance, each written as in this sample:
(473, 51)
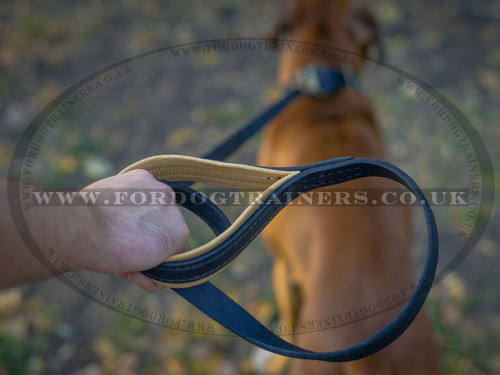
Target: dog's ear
(283, 27)
(289, 20)
(364, 31)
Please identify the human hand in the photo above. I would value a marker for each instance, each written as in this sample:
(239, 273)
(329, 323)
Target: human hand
(126, 239)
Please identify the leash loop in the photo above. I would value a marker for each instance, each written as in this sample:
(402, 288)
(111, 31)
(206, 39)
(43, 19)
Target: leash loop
(279, 187)
(188, 273)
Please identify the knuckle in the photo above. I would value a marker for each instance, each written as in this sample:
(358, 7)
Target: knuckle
(166, 188)
(140, 173)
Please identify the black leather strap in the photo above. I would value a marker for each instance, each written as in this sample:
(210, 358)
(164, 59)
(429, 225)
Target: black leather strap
(227, 312)
(203, 207)
(314, 80)
(311, 177)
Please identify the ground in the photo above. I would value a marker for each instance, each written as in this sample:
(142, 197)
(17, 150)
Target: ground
(167, 104)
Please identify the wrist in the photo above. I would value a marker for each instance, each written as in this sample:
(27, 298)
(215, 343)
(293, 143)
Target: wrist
(62, 233)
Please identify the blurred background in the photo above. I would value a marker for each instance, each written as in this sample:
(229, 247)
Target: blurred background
(184, 105)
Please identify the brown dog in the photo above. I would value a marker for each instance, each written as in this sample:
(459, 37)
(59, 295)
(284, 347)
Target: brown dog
(331, 260)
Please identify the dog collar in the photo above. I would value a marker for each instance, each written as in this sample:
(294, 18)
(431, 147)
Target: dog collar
(321, 80)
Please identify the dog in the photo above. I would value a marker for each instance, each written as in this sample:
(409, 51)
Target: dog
(331, 259)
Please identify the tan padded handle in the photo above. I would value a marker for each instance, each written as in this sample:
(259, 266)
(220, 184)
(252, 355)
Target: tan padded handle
(230, 175)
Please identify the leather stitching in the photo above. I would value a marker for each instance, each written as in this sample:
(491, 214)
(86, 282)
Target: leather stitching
(198, 169)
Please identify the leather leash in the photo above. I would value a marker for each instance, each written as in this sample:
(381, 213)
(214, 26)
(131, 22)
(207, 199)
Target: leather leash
(314, 80)
(188, 273)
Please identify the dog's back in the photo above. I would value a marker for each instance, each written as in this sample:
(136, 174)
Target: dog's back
(335, 259)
